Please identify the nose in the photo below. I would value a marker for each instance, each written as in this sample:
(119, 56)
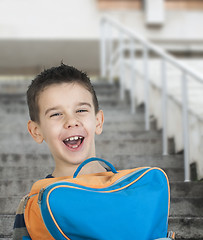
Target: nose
(71, 122)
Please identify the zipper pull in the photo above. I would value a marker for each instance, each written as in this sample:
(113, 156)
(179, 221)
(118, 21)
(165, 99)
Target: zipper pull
(25, 202)
(40, 195)
(171, 235)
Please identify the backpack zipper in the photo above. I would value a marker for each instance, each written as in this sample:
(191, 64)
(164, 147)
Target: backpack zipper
(119, 180)
(129, 175)
(40, 195)
(27, 199)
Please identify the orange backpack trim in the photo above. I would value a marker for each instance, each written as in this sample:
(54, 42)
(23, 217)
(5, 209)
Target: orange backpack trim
(33, 219)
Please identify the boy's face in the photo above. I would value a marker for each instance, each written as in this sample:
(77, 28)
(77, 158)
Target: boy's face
(67, 123)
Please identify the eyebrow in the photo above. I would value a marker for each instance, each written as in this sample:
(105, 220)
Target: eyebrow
(84, 103)
(57, 107)
(51, 109)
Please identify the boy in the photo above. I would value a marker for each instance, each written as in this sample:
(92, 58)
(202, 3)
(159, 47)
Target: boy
(64, 112)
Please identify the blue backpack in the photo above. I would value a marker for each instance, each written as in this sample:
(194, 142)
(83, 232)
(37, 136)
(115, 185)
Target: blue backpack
(124, 205)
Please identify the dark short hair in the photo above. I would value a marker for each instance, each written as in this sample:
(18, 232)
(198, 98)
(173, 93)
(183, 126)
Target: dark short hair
(56, 75)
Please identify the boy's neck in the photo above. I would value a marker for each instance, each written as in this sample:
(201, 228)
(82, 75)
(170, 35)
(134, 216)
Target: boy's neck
(92, 167)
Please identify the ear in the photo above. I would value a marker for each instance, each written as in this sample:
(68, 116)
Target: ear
(34, 130)
(99, 122)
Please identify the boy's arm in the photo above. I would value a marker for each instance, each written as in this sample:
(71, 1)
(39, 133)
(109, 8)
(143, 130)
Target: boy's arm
(20, 230)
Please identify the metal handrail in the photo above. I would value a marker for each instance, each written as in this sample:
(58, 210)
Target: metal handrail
(107, 26)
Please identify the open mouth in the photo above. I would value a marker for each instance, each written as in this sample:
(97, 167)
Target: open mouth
(74, 142)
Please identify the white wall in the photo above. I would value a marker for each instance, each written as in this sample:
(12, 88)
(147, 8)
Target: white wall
(48, 19)
(80, 19)
(29, 30)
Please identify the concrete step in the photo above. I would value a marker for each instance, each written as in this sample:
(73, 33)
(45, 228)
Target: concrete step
(179, 207)
(12, 108)
(6, 223)
(123, 161)
(21, 107)
(8, 205)
(16, 187)
(139, 147)
(104, 87)
(121, 134)
(186, 207)
(185, 228)
(14, 84)
(21, 187)
(7, 98)
(21, 145)
(38, 172)
(26, 172)
(112, 103)
(187, 189)
(123, 118)
(17, 92)
(20, 99)
(113, 113)
(17, 104)
(111, 107)
(121, 123)
(22, 159)
(145, 146)
(126, 161)
(130, 130)
(13, 88)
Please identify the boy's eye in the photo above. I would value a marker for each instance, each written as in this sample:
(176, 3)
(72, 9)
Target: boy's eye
(81, 110)
(55, 114)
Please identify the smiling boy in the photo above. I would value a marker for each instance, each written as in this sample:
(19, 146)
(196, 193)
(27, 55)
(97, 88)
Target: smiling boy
(64, 113)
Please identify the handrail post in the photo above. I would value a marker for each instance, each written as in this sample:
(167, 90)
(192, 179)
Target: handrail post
(185, 126)
(103, 48)
(146, 88)
(164, 106)
(121, 67)
(133, 76)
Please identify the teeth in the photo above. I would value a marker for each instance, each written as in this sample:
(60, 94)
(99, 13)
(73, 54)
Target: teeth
(75, 146)
(73, 138)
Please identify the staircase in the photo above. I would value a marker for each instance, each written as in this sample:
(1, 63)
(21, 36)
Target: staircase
(123, 142)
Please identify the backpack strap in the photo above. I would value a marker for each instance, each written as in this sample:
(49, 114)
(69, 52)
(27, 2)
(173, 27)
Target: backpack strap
(91, 160)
